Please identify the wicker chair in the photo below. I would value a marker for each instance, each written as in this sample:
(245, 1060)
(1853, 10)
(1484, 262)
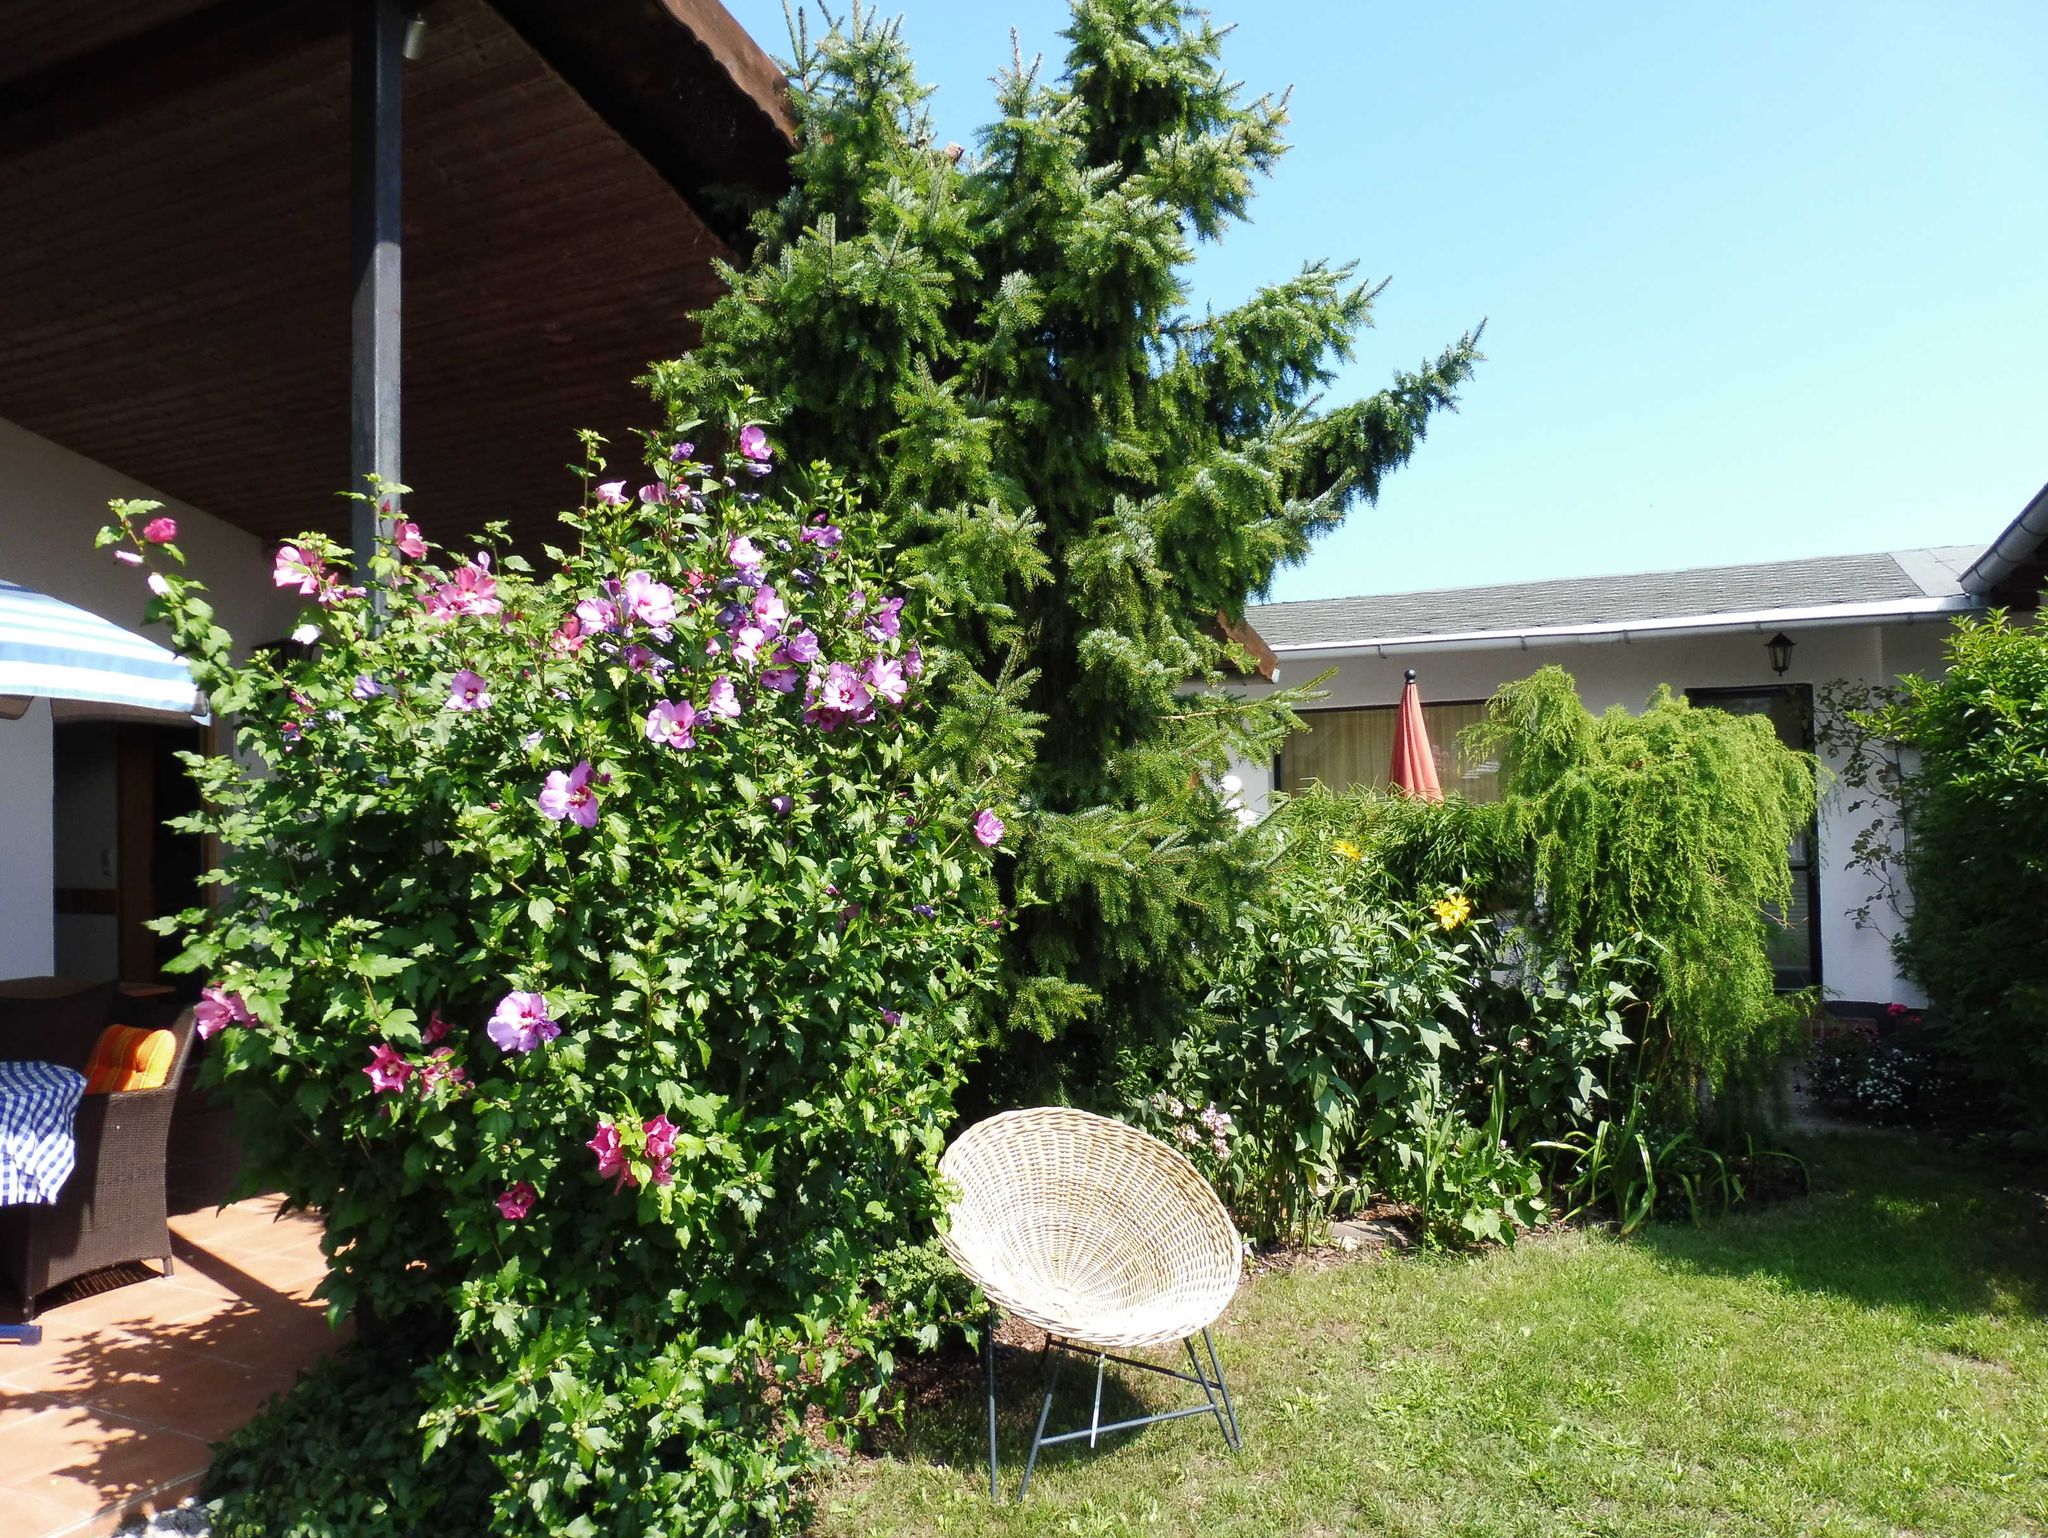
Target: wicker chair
(112, 1210)
(1103, 1237)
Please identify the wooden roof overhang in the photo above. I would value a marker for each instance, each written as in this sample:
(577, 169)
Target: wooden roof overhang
(175, 268)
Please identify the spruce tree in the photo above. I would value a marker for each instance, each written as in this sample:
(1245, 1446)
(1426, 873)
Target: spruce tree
(1093, 478)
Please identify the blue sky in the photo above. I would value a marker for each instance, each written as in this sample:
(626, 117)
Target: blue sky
(1761, 280)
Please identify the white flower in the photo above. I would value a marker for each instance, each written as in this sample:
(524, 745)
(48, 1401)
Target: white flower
(158, 585)
(306, 635)
(1231, 785)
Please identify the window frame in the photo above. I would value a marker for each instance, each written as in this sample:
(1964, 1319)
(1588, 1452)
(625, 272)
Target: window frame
(1801, 696)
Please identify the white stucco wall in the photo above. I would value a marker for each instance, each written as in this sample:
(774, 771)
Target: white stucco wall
(53, 501)
(27, 932)
(1855, 963)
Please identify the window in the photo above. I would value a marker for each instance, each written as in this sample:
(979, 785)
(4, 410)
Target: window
(1794, 942)
(1354, 748)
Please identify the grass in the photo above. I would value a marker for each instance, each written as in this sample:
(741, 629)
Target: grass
(1872, 1360)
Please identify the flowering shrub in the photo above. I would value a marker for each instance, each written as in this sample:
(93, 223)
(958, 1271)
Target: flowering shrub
(1363, 1043)
(1906, 1072)
(596, 952)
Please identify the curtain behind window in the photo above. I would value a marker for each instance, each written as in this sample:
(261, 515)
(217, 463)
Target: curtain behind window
(1353, 749)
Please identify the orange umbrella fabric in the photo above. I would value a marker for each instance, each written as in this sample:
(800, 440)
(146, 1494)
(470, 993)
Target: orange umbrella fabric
(1414, 768)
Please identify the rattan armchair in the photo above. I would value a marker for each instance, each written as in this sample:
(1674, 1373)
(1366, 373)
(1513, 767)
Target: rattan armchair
(112, 1209)
(1103, 1237)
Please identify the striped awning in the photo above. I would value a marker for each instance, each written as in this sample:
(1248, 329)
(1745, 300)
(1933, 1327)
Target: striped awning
(53, 650)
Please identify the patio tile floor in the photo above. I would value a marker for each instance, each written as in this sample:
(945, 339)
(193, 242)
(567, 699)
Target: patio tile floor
(113, 1412)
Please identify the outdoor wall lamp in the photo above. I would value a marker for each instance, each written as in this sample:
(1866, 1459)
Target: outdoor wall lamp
(415, 43)
(1780, 648)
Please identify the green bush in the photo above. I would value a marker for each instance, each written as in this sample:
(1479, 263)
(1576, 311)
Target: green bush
(1004, 345)
(597, 953)
(1976, 816)
(1363, 1045)
(1673, 824)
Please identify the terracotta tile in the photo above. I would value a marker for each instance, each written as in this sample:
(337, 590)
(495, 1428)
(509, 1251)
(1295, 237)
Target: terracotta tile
(160, 1380)
(87, 1459)
(17, 1405)
(137, 1303)
(233, 1270)
(278, 1340)
(35, 1516)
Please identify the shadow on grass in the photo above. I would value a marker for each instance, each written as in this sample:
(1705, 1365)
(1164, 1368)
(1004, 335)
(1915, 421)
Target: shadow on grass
(1894, 1221)
(945, 1410)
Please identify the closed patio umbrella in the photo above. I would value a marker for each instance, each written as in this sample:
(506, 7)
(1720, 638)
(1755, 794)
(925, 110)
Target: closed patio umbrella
(1414, 768)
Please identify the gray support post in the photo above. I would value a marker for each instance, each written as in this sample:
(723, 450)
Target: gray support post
(377, 162)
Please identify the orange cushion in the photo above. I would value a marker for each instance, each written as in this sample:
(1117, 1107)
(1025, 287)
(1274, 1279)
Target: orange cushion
(127, 1057)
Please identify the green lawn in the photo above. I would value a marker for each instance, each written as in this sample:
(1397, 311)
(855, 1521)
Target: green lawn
(1873, 1360)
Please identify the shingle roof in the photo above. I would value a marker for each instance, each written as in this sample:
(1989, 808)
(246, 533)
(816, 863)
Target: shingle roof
(1640, 596)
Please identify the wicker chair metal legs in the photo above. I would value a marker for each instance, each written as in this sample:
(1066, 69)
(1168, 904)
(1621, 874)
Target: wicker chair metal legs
(1215, 1396)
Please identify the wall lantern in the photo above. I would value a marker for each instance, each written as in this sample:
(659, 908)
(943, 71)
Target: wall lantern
(1780, 648)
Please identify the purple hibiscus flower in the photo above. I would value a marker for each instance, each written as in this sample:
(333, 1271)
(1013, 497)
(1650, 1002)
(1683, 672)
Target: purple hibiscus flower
(467, 691)
(522, 1022)
(836, 697)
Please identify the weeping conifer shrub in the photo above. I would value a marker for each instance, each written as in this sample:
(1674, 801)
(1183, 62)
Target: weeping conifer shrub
(1001, 341)
(1674, 824)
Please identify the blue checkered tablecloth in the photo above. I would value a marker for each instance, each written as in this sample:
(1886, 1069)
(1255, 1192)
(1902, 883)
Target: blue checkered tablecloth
(37, 1151)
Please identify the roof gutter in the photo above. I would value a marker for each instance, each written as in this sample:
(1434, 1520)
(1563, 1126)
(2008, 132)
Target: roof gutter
(2020, 543)
(1894, 611)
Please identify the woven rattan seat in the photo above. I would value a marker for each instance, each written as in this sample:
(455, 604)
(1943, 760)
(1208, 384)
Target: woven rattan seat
(1103, 1237)
(1090, 1229)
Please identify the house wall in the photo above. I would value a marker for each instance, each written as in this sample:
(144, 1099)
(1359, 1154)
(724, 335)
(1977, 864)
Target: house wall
(53, 501)
(27, 934)
(1856, 964)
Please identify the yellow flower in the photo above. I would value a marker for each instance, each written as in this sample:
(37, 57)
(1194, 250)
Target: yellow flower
(1453, 910)
(1349, 850)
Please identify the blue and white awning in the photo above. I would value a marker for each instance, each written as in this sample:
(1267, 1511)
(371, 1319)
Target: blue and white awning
(52, 650)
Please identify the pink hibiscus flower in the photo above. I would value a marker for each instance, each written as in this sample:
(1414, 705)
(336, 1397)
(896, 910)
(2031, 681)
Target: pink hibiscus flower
(517, 1201)
(299, 569)
(388, 1068)
(724, 703)
(440, 1068)
(769, 610)
(884, 675)
(405, 538)
(160, 531)
(651, 603)
(661, 1147)
(217, 1009)
(754, 445)
(567, 794)
(988, 828)
(597, 615)
(673, 723)
(746, 556)
(611, 1156)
